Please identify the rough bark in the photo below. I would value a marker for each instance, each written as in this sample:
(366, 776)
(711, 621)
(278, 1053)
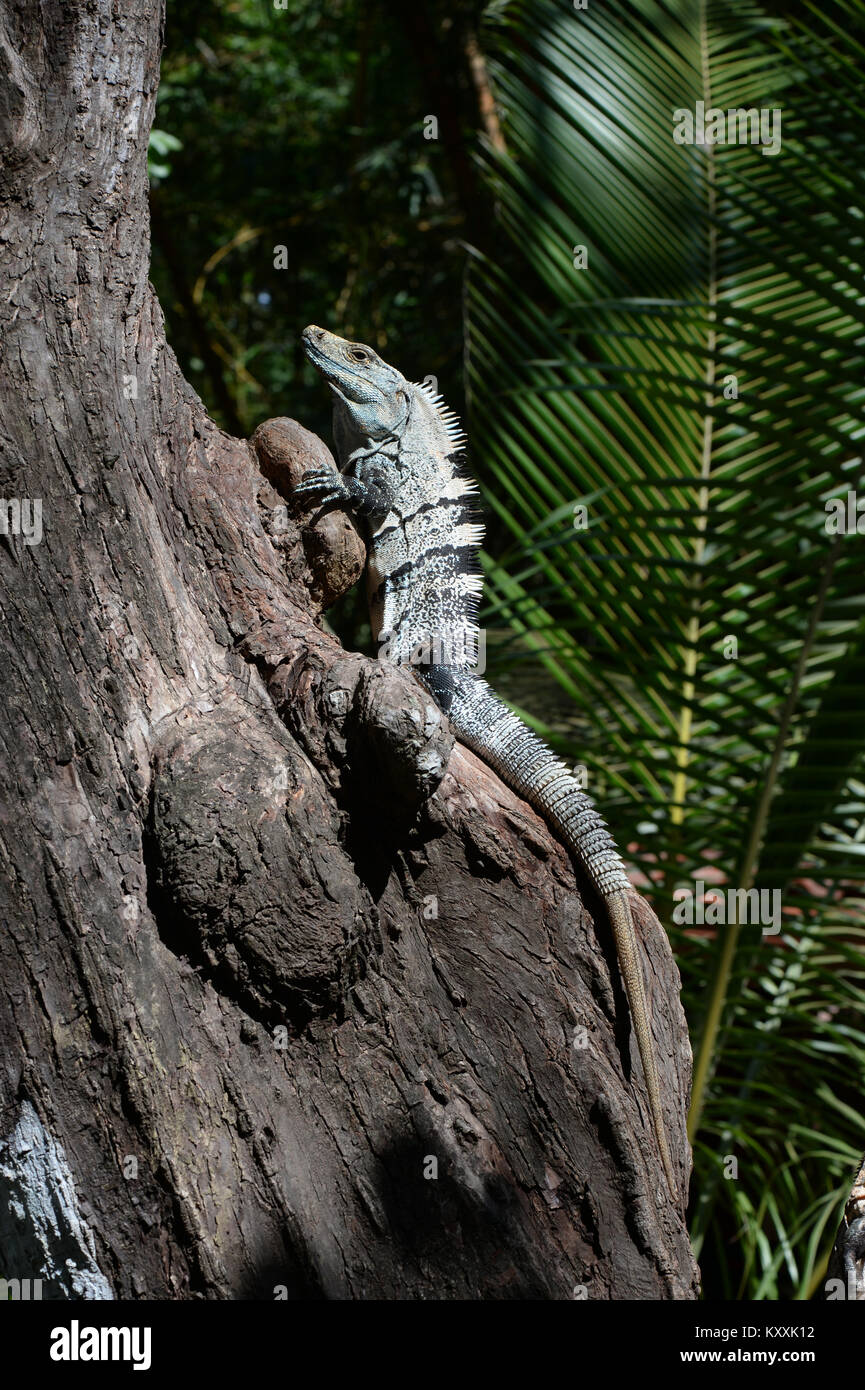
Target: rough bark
(269, 944)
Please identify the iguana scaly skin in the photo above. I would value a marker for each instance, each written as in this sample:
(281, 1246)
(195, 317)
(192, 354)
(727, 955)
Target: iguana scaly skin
(401, 467)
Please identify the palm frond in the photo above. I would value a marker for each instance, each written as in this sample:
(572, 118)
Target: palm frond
(697, 390)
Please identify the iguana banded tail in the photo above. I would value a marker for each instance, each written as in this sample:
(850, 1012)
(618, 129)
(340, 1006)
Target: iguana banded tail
(401, 467)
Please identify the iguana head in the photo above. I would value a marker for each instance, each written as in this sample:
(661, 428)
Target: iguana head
(371, 397)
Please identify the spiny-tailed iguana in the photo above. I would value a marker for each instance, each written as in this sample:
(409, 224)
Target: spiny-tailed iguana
(401, 457)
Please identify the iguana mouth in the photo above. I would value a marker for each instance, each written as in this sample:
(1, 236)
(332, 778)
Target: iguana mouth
(331, 367)
(311, 347)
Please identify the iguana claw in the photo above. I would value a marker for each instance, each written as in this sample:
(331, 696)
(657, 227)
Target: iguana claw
(325, 482)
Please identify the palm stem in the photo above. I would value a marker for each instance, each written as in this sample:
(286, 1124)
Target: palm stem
(680, 781)
(711, 1027)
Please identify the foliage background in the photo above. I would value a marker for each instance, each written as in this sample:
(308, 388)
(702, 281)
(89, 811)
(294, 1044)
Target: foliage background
(303, 127)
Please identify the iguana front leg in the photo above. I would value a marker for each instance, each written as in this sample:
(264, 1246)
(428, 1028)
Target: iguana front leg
(368, 498)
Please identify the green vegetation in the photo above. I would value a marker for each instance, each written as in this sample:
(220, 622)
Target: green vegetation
(299, 128)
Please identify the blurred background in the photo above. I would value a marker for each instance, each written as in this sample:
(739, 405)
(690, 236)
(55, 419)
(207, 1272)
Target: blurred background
(658, 351)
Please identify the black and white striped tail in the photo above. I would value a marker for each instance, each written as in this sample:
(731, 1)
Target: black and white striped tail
(483, 723)
(522, 759)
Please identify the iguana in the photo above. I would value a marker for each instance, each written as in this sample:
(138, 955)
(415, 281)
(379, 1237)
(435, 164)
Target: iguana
(401, 458)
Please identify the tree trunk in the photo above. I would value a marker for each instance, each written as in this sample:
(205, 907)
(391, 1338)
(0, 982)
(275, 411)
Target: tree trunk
(287, 1006)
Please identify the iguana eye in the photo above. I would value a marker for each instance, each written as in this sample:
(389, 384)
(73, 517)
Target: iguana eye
(358, 354)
